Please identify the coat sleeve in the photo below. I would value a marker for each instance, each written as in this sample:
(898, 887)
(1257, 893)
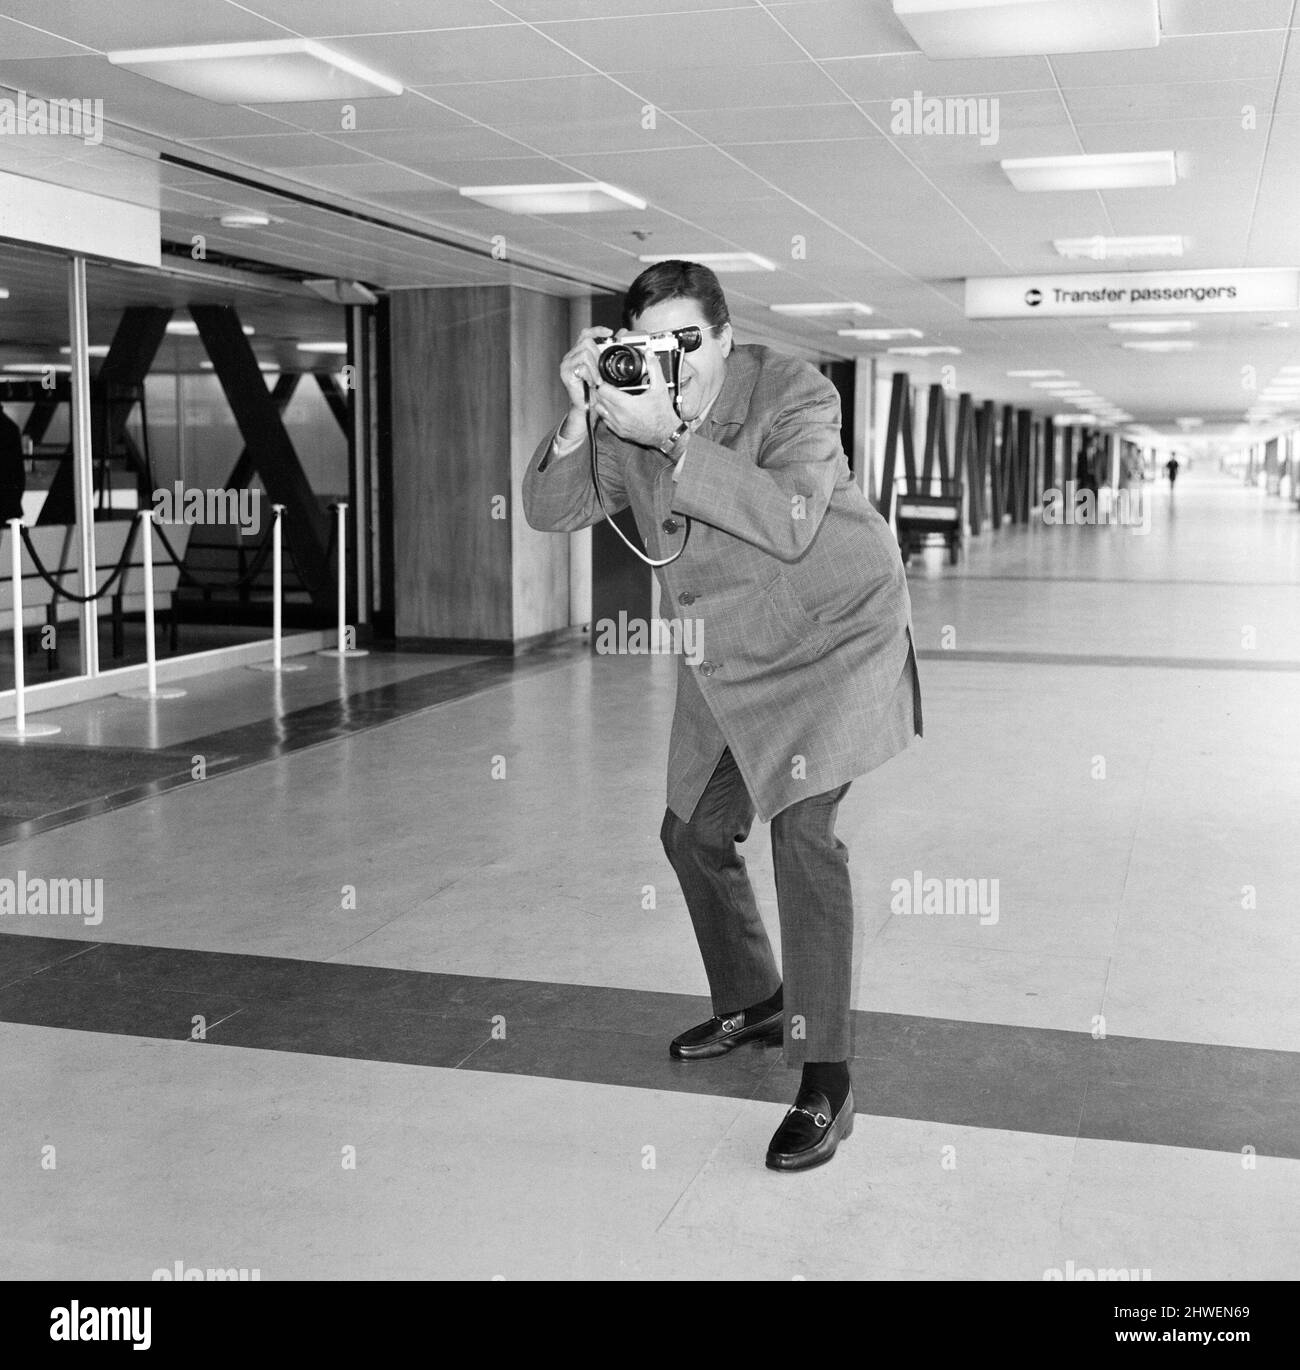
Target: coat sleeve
(777, 502)
(558, 494)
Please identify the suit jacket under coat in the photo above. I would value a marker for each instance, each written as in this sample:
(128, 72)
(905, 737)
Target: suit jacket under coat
(808, 670)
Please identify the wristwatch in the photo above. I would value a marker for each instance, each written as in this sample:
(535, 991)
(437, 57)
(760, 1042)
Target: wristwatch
(669, 444)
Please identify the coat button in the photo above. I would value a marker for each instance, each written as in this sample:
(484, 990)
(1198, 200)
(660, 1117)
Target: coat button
(707, 667)
(670, 525)
(686, 597)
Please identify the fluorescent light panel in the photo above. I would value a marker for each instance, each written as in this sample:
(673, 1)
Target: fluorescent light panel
(1165, 345)
(818, 311)
(1035, 373)
(338, 348)
(925, 351)
(282, 71)
(1102, 249)
(1028, 28)
(562, 197)
(719, 261)
(1151, 325)
(187, 328)
(879, 334)
(1092, 171)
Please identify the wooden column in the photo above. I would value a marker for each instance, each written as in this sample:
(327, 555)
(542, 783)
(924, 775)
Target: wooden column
(474, 388)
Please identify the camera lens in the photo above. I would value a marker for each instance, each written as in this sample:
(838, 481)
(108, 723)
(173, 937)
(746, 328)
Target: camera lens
(622, 366)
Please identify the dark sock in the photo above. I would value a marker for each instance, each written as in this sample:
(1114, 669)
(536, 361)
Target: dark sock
(831, 1077)
(763, 1009)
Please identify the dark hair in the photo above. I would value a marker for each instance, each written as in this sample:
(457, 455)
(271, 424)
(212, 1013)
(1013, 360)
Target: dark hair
(676, 281)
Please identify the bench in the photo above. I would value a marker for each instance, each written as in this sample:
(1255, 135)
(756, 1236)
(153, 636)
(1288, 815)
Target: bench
(920, 517)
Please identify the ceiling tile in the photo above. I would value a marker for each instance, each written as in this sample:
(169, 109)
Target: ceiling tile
(1213, 16)
(1214, 100)
(283, 150)
(556, 97)
(693, 39)
(1216, 58)
(332, 18)
(843, 28)
(892, 78)
(786, 124)
(391, 112)
(144, 23)
(511, 53)
(728, 87)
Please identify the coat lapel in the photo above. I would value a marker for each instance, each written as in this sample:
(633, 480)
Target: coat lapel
(731, 408)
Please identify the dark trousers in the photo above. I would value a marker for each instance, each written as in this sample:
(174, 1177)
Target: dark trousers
(814, 901)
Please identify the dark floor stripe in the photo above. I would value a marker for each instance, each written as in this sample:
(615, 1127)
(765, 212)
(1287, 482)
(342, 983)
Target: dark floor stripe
(1162, 663)
(250, 745)
(933, 1069)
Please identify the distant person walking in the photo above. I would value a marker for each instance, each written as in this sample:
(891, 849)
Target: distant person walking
(13, 474)
(1171, 470)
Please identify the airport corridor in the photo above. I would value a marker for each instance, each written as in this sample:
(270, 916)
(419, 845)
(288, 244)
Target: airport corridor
(387, 992)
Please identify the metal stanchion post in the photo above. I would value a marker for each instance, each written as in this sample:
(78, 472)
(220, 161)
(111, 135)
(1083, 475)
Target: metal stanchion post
(343, 650)
(20, 728)
(151, 691)
(277, 662)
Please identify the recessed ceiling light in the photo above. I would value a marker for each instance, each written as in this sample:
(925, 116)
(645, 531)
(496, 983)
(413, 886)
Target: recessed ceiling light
(879, 334)
(817, 311)
(187, 328)
(925, 351)
(339, 348)
(1101, 249)
(261, 366)
(561, 197)
(1092, 171)
(719, 261)
(94, 350)
(1151, 325)
(1051, 385)
(1028, 28)
(1276, 323)
(1168, 345)
(281, 71)
(36, 368)
(1189, 423)
(1035, 373)
(248, 220)
(4, 292)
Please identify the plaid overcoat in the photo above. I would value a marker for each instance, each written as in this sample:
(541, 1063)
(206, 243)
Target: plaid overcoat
(808, 669)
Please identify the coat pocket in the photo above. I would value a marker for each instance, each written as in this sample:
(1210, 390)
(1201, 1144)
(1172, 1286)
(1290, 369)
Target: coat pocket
(813, 635)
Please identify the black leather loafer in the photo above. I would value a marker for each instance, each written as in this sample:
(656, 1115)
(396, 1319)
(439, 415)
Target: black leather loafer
(809, 1134)
(721, 1035)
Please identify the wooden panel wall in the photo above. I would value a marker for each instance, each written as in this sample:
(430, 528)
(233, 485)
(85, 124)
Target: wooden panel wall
(539, 338)
(474, 387)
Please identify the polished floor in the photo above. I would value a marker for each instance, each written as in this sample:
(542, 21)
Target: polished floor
(387, 994)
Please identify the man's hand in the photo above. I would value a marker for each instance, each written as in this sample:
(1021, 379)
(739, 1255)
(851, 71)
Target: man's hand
(647, 418)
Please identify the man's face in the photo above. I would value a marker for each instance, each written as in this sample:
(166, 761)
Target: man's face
(702, 370)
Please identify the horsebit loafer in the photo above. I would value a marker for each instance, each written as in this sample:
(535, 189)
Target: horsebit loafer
(721, 1035)
(809, 1133)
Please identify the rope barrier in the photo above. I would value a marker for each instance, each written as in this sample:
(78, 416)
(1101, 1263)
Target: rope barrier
(122, 562)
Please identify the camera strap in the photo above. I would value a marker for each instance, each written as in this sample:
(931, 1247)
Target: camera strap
(676, 364)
